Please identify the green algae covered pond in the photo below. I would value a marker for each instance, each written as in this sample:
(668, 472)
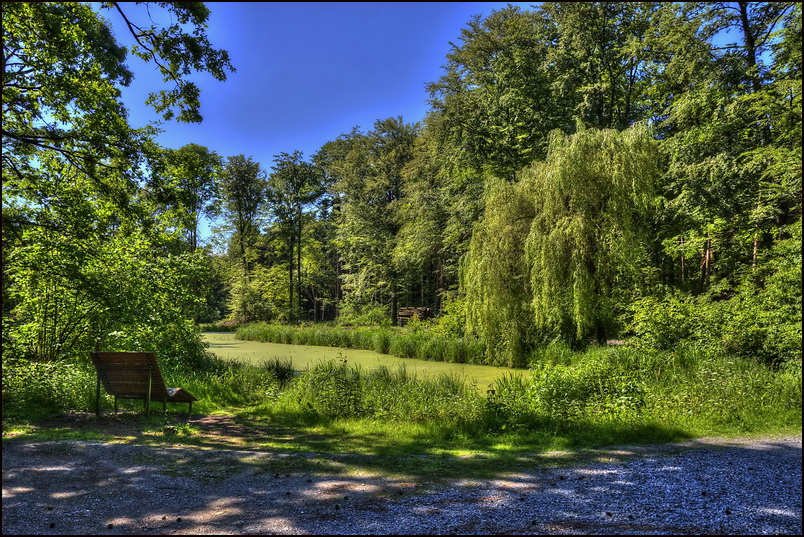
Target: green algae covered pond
(225, 345)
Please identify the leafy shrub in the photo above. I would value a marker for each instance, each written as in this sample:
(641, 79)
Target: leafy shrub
(281, 369)
(40, 389)
(363, 315)
(452, 321)
(508, 403)
(381, 342)
(231, 383)
(759, 317)
(663, 321)
(177, 345)
(602, 383)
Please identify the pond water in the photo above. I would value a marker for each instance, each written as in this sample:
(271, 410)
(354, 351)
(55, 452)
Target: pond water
(226, 346)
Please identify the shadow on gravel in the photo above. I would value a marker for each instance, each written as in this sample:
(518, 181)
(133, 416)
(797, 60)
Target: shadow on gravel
(88, 487)
(95, 488)
(415, 459)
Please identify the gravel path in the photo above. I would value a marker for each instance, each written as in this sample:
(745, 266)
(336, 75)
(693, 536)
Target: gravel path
(708, 486)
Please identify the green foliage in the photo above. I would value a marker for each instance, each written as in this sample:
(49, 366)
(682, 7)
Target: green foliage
(597, 386)
(190, 187)
(223, 385)
(661, 322)
(368, 183)
(601, 389)
(332, 390)
(496, 286)
(687, 233)
(690, 388)
(351, 314)
(217, 327)
(586, 242)
(425, 345)
(176, 342)
(281, 369)
(61, 95)
(760, 319)
(243, 186)
(557, 254)
(35, 390)
(89, 255)
(337, 390)
(293, 185)
(452, 321)
(72, 294)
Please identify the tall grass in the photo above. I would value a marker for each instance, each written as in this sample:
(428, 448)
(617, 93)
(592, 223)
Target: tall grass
(697, 391)
(334, 389)
(420, 344)
(601, 395)
(691, 388)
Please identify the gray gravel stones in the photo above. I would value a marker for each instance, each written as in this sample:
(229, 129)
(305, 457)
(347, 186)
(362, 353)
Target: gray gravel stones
(712, 486)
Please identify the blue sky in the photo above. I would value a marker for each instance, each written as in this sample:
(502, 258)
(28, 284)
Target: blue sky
(307, 71)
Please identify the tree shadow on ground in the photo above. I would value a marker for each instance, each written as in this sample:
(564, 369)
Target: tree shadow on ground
(134, 487)
(418, 457)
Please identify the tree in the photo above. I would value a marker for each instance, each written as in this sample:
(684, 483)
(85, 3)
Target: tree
(494, 276)
(243, 188)
(597, 59)
(369, 185)
(81, 244)
(190, 187)
(587, 242)
(293, 185)
(557, 255)
(62, 70)
(733, 145)
(494, 98)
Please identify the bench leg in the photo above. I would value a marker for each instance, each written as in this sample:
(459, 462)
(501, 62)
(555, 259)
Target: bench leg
(190, 411)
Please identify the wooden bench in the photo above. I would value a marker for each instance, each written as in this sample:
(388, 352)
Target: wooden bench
(135, 375)
(405, 315)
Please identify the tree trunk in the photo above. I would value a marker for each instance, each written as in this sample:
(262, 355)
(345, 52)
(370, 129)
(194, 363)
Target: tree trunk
(706, 262)
(750, 44)
(683, 267)
(394, 305)
(299, 265)
(290, 279)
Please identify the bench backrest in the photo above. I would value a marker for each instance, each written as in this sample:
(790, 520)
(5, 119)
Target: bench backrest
(127, 374)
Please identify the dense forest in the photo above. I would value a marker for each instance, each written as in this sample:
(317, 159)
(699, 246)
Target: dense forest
(586, 171)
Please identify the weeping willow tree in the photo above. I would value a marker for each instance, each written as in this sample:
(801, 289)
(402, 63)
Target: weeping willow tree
(586, 243)
(556, 255)
(494, 276)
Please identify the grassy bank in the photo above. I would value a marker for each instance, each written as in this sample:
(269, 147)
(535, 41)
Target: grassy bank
(413, 343)
(603, 396)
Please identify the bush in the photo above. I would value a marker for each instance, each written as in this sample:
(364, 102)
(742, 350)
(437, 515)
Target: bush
(177, 345)
(36, 390)
(365, 315)
(757, 317)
